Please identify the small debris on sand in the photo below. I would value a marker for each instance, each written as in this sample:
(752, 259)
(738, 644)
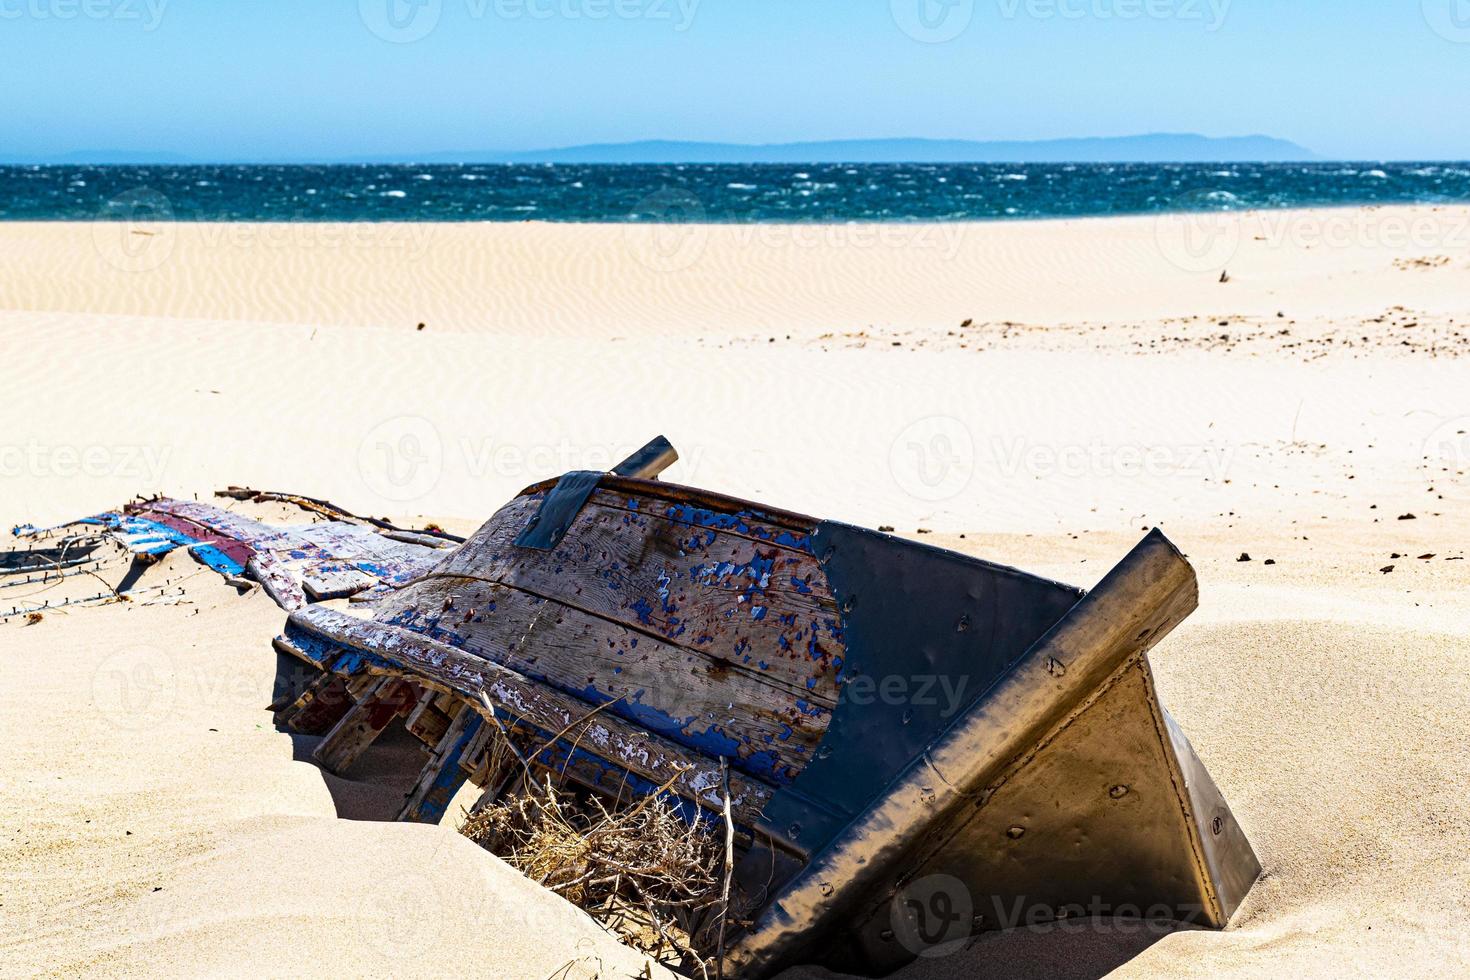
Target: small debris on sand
(1243, 557)
(1386, 569)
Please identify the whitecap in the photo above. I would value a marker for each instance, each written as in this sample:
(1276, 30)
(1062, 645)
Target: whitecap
(578, 184)
(423, 176)
(1013, 177)
(742, 187)
(394, 194)
(1376, 173)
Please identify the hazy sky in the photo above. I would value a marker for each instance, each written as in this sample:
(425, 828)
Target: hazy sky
(298, 79)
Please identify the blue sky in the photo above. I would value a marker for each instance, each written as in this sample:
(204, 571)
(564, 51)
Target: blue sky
(318, 79)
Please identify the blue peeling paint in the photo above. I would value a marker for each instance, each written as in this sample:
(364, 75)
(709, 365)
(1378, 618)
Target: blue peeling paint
(146, 537)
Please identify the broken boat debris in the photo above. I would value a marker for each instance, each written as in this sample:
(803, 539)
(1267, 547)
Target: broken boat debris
(900, 737)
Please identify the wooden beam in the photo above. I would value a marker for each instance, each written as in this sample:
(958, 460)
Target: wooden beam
(601, 749)
(442, 776)
(385, 700)
(319, 707)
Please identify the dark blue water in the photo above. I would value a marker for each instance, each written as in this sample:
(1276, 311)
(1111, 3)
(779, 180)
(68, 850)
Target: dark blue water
(719, 193)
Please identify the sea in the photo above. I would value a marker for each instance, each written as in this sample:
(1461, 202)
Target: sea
(723, 193)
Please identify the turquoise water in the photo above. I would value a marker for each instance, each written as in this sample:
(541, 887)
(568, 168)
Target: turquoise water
(719, 193)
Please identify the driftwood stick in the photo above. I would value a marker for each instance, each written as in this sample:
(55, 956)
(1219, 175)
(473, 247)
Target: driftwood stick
(729, 870)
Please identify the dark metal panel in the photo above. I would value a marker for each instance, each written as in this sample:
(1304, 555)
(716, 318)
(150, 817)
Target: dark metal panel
(1231, 865)
(1091, 825)
(927, 633)
(1057, 679)
(557, 511)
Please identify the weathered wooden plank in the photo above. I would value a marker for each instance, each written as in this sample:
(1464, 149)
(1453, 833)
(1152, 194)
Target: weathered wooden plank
(674, 691)
(320, 706)
(603, 749)
(360, 727)
(333, 559)
(442, 776)
(746, 594)
(335, 581)
(426, 722)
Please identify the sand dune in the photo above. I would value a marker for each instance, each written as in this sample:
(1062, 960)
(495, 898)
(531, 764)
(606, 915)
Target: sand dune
(1328, 697)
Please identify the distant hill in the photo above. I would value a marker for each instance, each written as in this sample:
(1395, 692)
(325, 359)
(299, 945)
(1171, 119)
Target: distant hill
(1151, 148)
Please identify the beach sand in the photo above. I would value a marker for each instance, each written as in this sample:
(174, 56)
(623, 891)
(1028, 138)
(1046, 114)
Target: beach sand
(1038, 393)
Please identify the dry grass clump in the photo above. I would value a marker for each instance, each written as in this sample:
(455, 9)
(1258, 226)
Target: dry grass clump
(642, 869)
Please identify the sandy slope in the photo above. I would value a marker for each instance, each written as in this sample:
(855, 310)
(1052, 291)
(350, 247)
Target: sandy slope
(828, 374)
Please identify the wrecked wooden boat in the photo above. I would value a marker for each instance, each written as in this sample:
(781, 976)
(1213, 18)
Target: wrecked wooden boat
(341, 556)
(914, 745)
